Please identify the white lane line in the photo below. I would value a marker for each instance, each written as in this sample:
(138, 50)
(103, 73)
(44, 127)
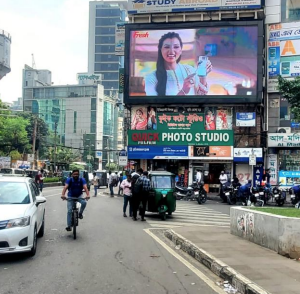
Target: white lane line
(197, 272)
(48, 196)
(194, 215)
(197, 223)
(212, 217)
(180, 224)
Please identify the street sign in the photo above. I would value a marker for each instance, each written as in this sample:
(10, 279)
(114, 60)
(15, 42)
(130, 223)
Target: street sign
(99, 154)
(88, 157)
(30, 157)
(123, 159)
(252, 159)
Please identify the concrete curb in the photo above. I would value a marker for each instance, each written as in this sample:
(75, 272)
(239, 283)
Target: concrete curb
(241, 283)
(53, 184)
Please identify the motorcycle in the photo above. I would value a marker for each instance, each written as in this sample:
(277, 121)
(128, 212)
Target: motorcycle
(280, 196)
(194, 191)
(255, 197)
(265, 193)
(232, 193)
(295, 195)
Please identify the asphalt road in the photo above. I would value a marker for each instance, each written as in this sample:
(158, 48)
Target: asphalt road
(112, 254)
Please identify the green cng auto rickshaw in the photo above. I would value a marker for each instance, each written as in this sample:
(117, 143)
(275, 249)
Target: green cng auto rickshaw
(161, 195)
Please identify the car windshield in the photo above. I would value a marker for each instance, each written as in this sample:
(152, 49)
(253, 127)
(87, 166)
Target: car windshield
(165, 182)
(14, 193)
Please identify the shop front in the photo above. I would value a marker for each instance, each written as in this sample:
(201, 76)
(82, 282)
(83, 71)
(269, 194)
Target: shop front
(243, 170)
(284, 158)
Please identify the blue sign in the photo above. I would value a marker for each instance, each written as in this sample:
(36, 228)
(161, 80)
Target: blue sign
(257, 174)
(123, 153)
(274, 61)
(245, 119)
(289, 174)
(157, 152)
(295, 125)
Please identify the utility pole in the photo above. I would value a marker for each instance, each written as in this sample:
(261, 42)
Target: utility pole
(33, 141)
(55, 134)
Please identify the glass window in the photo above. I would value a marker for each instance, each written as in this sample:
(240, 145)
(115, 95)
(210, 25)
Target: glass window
(14, 193)
(90, 91)
(110, 85)
(107, 12)
(49, 93)
(106, 57)
(290, 10)
(162, 182)
(105, 31)
(106, 66)
(105, 39)
(111, 76)
(38, 93)
(289, 160)
(75, 122)
(107, 21)
(105, 49)
(93, 103)
(93, 116)
(93, 128)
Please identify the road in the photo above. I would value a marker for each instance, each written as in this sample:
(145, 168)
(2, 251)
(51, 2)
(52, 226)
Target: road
(112, 254)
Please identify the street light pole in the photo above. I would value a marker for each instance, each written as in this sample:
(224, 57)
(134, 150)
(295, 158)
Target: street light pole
(55, 134)
(33, 141)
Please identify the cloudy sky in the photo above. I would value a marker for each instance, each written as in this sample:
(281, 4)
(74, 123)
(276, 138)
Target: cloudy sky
(55, 31)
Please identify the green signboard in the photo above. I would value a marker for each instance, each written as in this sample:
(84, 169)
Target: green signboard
(180, 129)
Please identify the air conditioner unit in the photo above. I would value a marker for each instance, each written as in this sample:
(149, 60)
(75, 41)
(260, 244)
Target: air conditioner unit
(284, 130)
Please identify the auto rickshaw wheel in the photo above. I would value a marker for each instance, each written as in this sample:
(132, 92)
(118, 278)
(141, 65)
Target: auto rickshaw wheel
(169, 213)
(163, 216)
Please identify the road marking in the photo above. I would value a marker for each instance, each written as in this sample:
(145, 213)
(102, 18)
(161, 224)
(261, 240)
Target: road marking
(197, 272)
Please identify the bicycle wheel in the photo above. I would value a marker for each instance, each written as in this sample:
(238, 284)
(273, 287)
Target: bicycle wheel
(74, 223)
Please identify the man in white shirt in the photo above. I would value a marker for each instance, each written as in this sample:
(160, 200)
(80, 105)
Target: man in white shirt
(223, 179)
(95, 183)
(199, 177)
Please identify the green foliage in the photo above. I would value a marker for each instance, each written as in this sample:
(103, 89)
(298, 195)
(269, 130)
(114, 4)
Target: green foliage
(291, 91)
(15, 155)
(52, 180)
(76, 166)
(289, 212)
(111, 166)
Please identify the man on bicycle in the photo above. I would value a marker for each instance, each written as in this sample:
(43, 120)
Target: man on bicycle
(75, 185)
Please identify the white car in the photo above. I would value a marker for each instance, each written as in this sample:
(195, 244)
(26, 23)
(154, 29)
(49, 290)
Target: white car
(22, 215)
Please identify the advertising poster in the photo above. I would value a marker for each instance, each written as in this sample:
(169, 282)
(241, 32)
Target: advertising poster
(274, 61)
(206, 61)
(210, 151)
(272, 166)
(290, 68)
(245, 119)
(288, 178)
(120, 38)
(224, 119)
(143, 118)
(152, 6)
(151, 152)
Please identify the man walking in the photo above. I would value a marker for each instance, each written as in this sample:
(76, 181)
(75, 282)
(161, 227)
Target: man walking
(223, 179)
(141, 190)
(39, 179)
(95, 183)
(112, 182)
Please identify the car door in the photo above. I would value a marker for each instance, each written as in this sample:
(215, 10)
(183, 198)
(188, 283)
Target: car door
(40, 209)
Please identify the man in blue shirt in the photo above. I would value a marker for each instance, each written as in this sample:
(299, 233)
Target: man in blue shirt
(75, 185)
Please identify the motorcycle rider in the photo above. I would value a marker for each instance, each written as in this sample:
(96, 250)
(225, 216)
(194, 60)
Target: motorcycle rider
(235, 182)
(223, 179)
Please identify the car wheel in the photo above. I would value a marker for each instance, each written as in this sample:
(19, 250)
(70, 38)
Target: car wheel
(33, 248)
(42, 229)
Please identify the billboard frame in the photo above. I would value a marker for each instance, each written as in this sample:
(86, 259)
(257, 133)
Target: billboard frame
(211, 99)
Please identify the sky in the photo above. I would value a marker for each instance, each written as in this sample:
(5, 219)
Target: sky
(55, 31)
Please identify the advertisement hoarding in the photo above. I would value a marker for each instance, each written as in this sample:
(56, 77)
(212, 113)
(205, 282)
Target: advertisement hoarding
(158, 152)
(283, 53)
(120, 38)
(208, 63)
(242, 154)
(5, 162)
(272, 166)
(152, 6)
(245, 119)
(283, 140)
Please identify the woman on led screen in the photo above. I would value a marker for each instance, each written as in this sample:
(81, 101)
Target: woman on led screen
(173, 78)
(139, 121)
(210, 121)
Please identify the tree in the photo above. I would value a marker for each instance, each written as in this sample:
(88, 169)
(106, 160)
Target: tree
(290, 89)
(111, 166)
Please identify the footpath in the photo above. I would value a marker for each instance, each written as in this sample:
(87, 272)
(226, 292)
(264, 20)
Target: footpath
(250, 268)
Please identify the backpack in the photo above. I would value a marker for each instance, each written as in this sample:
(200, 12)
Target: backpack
(80, 181)
(114, 182)
(138, 186)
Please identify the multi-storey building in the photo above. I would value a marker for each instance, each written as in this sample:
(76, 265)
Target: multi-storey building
(283, 54)
(103, 17)
(5, 41)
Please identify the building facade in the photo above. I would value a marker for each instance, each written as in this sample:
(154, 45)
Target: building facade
(80, 115)
(283, 55)
(212, 129)
(5, 42)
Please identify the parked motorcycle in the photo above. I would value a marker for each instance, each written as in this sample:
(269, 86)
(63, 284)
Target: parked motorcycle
(295, 195)
(279, 196)
(232, 194)
(255, 197)
(265, 193)
(195, 191)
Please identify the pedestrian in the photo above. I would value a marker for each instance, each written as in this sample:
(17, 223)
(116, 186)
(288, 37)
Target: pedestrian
(112, 182)
(141, 190)
(199, 176)
(267, 177)
(39, 179)
(126, 186)
(95, 183)
(223, 179)
(120, 182)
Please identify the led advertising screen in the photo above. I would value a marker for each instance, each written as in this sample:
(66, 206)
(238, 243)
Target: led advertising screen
(188, 64)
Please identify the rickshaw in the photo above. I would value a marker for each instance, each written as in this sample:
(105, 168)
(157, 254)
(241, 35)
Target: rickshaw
(161, 195)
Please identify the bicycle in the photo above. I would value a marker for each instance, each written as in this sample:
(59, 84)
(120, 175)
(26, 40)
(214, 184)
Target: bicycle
(75, 213)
